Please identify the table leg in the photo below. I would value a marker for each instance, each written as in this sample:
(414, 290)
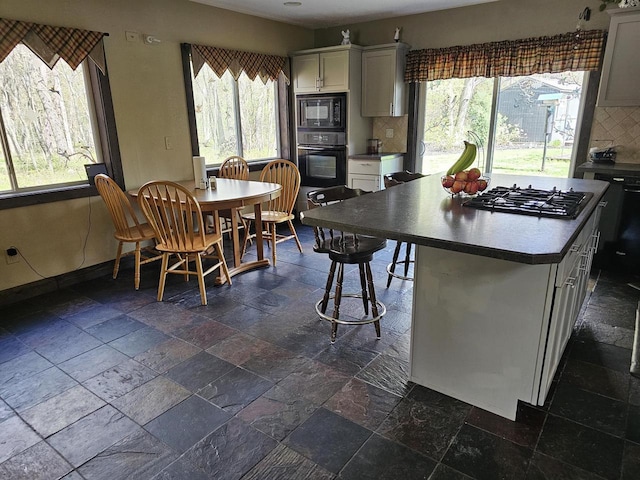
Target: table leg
(235, 238)
(238, 265)
(257, 209)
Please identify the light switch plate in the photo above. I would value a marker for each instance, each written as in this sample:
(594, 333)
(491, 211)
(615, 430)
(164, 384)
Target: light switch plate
(389, 133)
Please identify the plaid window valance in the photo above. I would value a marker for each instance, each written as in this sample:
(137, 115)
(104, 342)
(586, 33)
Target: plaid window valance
(579, 50)
(267, 67)
(49, 43)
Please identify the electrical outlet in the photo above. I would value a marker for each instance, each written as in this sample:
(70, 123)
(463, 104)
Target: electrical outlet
(389, 133)
(11, 255)
(168, 143)
(132, 36)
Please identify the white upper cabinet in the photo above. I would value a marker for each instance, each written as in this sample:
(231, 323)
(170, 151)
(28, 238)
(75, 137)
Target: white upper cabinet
(620, 82)
(383, 87)
(322, 70)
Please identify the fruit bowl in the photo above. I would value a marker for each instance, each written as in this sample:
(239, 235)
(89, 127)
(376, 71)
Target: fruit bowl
(468, 188)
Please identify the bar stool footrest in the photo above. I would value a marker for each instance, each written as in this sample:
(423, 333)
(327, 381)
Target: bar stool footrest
(397, 275)
(381, 311)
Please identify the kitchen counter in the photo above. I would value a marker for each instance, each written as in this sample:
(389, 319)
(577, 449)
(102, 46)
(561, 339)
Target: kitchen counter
(608, 168)
(421, 212)
(495, 295)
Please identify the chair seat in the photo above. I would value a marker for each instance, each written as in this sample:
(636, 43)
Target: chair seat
(351, 252)
(270, 216)
(198, 245)
(132, 234)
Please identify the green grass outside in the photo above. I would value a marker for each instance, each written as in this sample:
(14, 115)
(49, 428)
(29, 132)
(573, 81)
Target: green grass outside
(516, 161)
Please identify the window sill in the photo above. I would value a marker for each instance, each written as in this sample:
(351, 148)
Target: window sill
(37, 197)
(254, 166)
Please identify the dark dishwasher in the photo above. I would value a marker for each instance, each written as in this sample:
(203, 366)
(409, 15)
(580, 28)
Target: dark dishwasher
(620, 225)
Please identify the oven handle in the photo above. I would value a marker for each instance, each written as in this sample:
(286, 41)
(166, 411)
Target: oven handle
(322, 147)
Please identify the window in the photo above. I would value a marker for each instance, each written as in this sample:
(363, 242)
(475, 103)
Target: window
(525, 125)
(235, 117)
(45, 123)
(237, 104)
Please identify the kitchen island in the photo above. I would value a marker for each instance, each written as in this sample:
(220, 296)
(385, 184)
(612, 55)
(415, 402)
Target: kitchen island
(495, 295)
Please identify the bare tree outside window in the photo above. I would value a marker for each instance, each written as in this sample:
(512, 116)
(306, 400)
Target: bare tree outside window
(46, 123)
(226, 109)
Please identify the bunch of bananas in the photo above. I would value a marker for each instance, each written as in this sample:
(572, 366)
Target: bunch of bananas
(466, 159)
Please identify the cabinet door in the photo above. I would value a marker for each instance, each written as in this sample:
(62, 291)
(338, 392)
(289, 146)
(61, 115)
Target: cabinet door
(305, 73)
(563, 317)
(334, 71)
(378, 83)
(620, 83)
(368, 183)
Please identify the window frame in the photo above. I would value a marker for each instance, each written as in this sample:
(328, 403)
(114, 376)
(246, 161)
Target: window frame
(582, 132)
(102, 103)
(283, 116)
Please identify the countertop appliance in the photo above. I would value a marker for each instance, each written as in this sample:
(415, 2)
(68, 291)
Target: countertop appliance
(602, 155)
(530, 201)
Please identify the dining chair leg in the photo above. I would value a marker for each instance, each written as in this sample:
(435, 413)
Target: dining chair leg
(163, 275)
(407, 259)
(327, 290)
(136, 275)
(363, 288)
(116, 265)
(225, 269)
(372, 297)
(203, 291)
(273, 243)
(396, 252)
(245, 240)
(295, 235)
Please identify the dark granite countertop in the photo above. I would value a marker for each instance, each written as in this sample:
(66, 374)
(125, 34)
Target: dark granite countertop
(610, 168)
(421, 212)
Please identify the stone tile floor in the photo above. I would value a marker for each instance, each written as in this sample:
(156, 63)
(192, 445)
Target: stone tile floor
(100, 381)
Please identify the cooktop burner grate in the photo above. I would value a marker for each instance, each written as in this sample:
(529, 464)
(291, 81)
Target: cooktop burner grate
(530, 201)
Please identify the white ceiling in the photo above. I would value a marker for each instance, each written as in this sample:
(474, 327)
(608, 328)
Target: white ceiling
(330, 13)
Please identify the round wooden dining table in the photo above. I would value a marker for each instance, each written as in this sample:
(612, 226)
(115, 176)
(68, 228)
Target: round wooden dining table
(233, 195)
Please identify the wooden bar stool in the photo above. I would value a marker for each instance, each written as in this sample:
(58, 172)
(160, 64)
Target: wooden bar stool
(346, 249)
(391, 180)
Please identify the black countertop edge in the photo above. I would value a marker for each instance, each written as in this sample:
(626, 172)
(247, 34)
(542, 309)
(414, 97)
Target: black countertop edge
(508, 255)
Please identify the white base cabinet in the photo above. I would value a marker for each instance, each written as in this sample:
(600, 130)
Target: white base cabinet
(367, 172)
(491, 332)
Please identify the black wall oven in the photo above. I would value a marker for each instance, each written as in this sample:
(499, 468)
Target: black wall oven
(322, 158)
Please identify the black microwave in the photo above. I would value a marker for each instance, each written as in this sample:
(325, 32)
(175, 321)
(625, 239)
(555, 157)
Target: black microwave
(322, 111)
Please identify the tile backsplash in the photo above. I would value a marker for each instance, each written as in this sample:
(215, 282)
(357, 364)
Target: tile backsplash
(619, 126)
(398, 143)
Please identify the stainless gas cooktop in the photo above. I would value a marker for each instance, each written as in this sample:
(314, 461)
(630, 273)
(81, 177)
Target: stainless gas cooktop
(530, 201)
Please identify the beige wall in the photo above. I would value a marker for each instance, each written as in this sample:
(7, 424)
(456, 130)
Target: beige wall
(149, 102)
(501, 20)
